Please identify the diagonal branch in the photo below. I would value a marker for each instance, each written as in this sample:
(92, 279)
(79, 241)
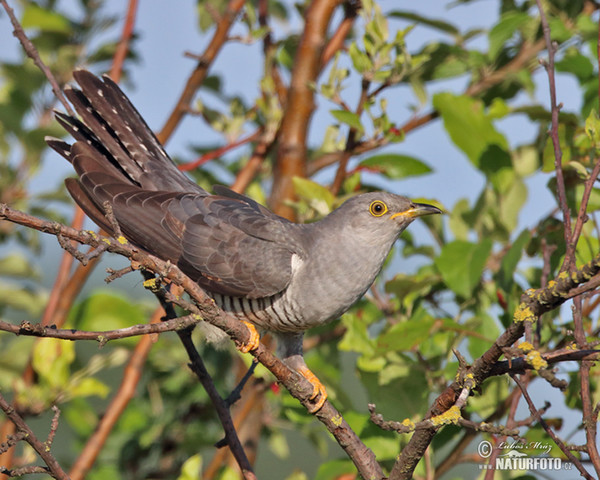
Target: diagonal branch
(554, 109)
(201, 71)
(533, 304)
(536, 414)
(41, 448)
(32, 53)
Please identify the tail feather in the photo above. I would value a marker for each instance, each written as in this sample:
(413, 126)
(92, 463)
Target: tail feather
(83, 200)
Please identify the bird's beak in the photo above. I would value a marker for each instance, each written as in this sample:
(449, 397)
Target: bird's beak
(417, 210)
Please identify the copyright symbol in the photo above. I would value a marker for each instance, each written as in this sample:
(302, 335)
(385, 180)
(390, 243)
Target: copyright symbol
(484, 449)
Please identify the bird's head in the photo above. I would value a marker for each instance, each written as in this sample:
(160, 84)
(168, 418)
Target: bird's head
(381, 215)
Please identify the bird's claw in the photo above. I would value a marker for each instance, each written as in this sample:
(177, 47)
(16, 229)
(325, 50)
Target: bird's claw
(319, 394)
(253, 341)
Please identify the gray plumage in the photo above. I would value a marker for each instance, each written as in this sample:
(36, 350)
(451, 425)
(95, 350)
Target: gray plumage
(281, 276)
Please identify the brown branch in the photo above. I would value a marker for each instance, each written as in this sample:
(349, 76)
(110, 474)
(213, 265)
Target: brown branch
(32, 53)
(533, 304)
(250, 170)
(269, 51)
(123, 47)
(200, 72)
(340, 174)
(41, 448)
(554, 108)
(207, 157)
(49, 331)
(582, 215)
(536, 414)
(198, 367)
(336, 42)
(221, 408)
(203, 305)
(590, 415)
(291, 153)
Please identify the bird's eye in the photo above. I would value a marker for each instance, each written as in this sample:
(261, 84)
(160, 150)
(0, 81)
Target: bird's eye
(378, 208)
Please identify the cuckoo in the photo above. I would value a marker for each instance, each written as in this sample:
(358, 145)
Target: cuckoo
(269, 272)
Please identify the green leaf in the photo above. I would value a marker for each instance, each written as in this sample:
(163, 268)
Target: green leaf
(17, 265)
(472, 130)
(335, 469)
(107, 311)
(405, 395)
(395, 166)
(511, 259)
(349, 118)
(461, 264)
(577, 64)
(356, 337)
(430, 22)
(504, 30)
(21, 298)
(278, 445)
(485, 325)
(87, 387)
(468, 125)
(52, 359)
(191, 468)
(592, 128)
(317, 196)
(406, 335)
(360, 60)
(35, 16)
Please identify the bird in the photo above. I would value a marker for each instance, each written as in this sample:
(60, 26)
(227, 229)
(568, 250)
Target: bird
(269, 272)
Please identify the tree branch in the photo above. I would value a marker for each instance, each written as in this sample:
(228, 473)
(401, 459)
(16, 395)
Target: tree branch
(536, 414)
(32, 53)
(201, 71)
(121, 53)
(533, 304)
(41, 448)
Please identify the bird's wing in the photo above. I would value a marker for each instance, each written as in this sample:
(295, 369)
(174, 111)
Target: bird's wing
(235, 249)
(225, 244)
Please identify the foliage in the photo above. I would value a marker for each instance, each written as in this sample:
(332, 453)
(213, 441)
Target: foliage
(457, 289)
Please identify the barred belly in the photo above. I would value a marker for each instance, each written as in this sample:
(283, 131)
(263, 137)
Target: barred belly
(273, 313)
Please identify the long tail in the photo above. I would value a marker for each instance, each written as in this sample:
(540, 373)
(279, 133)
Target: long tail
(113, 147)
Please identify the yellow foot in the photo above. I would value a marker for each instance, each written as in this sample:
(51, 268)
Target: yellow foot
(319, 394)
(253, 342)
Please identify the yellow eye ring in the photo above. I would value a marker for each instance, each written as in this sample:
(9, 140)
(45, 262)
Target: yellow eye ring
(377, 208)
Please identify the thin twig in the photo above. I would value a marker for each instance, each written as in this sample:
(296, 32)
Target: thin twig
(221, 406)
(207, 157)
(199, 74)
(32, 53)
(340, 174)
(554, 109)
(49, 331)
(536, 414)
(40, 447)
(123, 47)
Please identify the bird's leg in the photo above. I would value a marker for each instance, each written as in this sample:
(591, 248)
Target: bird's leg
(289, 348)
(253, 339)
